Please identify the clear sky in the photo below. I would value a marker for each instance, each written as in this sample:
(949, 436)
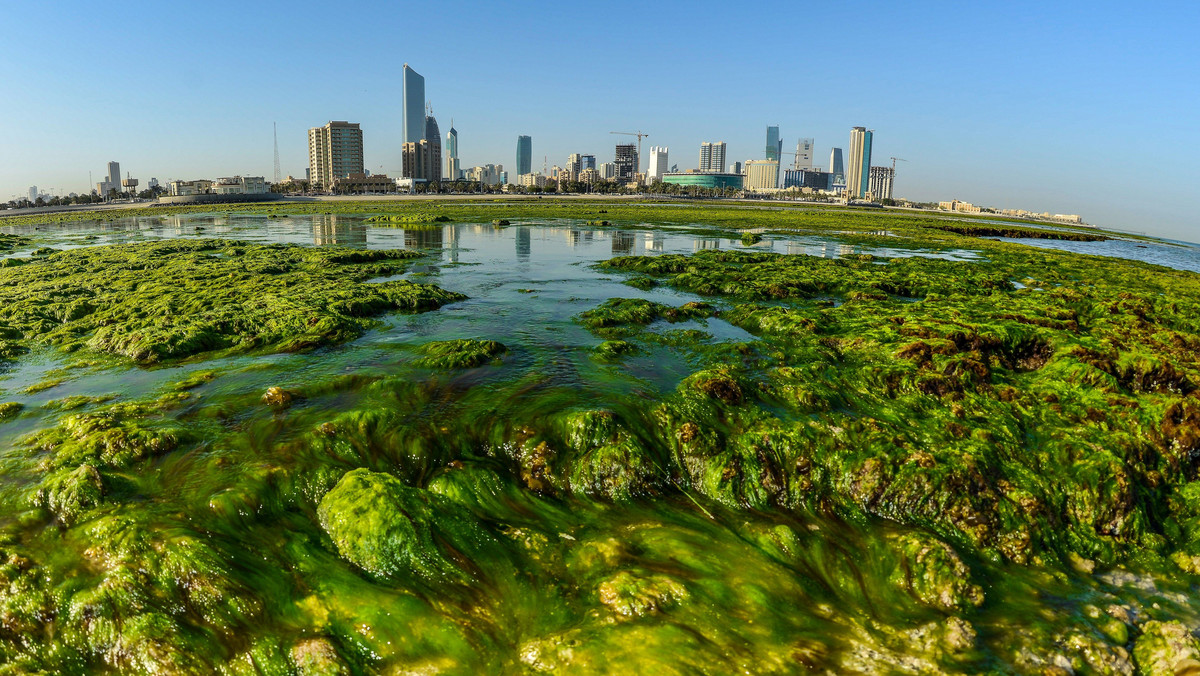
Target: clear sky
(1068, 107)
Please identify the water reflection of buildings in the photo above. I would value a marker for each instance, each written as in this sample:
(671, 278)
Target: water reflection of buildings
(622, 243)
(423, 238)
(329, 231)
(706, 243)
(451, 234)
(654, 241)
(523, 243)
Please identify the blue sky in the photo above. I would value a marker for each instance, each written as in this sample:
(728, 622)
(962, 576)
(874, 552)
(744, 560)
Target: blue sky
(1066, 107)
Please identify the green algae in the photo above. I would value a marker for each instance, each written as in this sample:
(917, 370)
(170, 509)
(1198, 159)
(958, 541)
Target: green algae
(171, 300)
(925, 475)
(460, 354)
(10, 409)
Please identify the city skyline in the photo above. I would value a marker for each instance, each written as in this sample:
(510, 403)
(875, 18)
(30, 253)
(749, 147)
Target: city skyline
(989, 124)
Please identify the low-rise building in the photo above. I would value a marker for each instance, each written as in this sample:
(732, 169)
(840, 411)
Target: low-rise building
(704, 179)
(364, 183)
(187, 188)
(814, 179)
(239, 185)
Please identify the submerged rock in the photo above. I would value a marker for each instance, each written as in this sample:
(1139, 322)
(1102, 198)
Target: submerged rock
(933, 572)
(460, 354)
(390, 529)
(1167, 649)
(631, 594)
(277, 397)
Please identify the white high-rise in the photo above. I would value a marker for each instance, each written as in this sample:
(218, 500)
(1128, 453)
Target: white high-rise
(804, 154)
(858, 174)
(712, 156)
(658, 163)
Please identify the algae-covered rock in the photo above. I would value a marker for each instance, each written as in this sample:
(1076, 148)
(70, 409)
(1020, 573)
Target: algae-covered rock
(278, 398)
(1167, 649)
(9, 410)
(318, 657)
(933, 572)
(460, 354)
(614, 349)
(630, 594)
(70, 492)
(393, 530)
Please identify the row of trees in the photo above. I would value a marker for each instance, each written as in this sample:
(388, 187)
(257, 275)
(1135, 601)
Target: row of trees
(89, 198)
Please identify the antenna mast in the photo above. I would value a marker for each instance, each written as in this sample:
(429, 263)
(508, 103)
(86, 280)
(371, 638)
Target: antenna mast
(275, 130)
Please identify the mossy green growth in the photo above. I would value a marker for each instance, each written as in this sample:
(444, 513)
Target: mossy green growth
(751, 238)
(393, 530)
(617, 316)
(460, 354)
(1167, 649)
(168, 300)
(407, 220)
(10, 410)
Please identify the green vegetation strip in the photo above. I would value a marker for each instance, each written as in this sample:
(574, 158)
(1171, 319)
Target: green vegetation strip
(175, 299)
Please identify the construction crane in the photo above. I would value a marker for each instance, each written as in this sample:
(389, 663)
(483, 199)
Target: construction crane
(893, 159)
(639, 134)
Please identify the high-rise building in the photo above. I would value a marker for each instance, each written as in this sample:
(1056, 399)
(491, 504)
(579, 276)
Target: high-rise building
(416, 157)
(574, 166)
(114, 174)
(334, 151)
(607, 170)
(452, 169)
(858, 178)
(712, 156)
(626, 161)
(587, 162)
(658, 163)
(735, 168)
(774, 144)
(762, 174)
(434, 138)
(837, 168)
(414, 106)
(881, 182)
(33, 193)
(524, 155)
(804, 154)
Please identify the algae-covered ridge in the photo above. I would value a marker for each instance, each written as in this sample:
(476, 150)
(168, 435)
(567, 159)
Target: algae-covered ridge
(913, 465)
(176, 299)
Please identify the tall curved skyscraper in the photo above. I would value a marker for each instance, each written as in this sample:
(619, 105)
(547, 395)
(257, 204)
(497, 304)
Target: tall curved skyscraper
(414, 106)
(434, 138)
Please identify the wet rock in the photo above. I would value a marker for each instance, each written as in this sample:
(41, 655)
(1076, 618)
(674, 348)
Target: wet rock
(10, 410)
(933, 572)
(318, 657)
(1167, 649)
(388, 529)
(632, 595)
(70, 492)
(278, 398)
(460, 354)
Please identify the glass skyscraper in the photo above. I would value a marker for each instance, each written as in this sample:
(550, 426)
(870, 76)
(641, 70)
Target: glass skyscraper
(524, 155)
(414, 106)
(858, 180)
(774, 144)
(837, 167)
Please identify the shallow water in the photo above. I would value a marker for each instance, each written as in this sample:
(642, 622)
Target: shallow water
(1177, 255)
